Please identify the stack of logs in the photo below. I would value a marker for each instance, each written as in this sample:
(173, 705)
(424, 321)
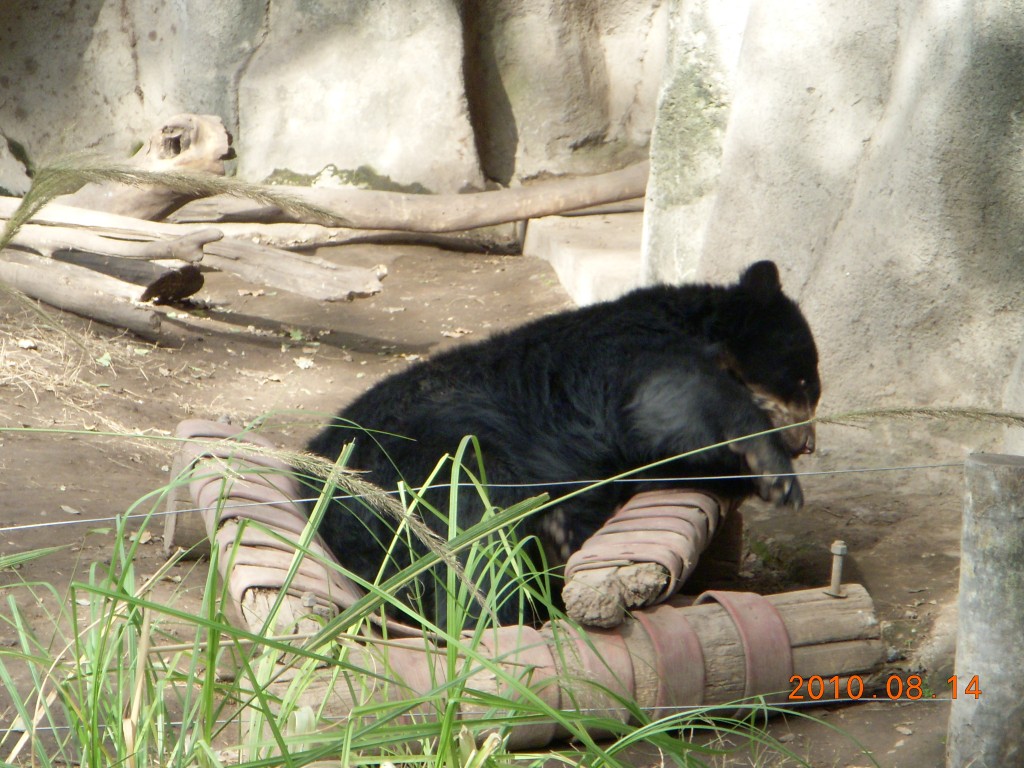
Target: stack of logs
(665, 658)
(102, 253)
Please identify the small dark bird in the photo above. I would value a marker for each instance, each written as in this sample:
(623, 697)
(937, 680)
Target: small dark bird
(174, 285)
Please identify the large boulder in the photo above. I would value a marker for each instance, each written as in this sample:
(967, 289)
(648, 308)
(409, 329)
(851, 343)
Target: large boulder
(69, 75)
(192, 55)
(559, 87)
(359, 84)
(98, 76)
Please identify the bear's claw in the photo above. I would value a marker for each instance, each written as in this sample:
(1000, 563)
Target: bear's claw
(782, 491)
(776, 482)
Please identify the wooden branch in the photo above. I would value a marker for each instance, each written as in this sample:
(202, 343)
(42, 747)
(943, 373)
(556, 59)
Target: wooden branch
(264, 265)
(48, 240)
(135, 271)
(161, 284)
(100, 222)
(185, 143)
(81, 291)
(305, 275)
(375, 210)
(633, 205)
(174, 285)
(126, 260)
(500, 238)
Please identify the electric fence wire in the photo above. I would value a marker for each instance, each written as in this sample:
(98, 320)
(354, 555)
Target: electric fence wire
(4, 733)
(563, 483)
(711, 710)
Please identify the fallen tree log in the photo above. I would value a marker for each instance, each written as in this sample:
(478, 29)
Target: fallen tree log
(100, 222)
(260, 264)
(136, 271)
(159, 283)
(307, 276)
(81, 291)
(133, 261)
(634, 205)
(192, 141)
(286, 235)
(48, 240)
(376, 210)
(199, 144)
(500, 238)
(641, 555)
(665, 660)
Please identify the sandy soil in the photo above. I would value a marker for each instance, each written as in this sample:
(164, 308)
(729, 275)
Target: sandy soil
(259, 352)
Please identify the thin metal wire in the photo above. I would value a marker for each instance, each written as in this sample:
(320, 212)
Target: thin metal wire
(563, 483)
(708, 708)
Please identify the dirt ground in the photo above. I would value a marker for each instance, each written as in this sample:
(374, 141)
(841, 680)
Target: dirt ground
(255, 352)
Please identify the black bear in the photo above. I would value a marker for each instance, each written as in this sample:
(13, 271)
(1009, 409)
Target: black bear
(587, 394)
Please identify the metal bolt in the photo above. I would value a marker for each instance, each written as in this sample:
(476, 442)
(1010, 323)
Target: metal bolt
(839, 551)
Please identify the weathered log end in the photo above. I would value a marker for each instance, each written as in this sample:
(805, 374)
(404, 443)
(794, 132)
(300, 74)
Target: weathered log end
(187, 142)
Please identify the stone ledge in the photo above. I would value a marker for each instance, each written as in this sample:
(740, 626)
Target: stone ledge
(596, 258)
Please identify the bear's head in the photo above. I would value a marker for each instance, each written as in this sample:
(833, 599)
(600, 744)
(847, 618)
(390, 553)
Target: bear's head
(769, 347)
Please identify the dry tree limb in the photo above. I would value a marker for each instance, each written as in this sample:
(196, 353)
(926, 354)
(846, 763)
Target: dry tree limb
(263, 265)
(81, 291)
(48, 240)
(183, 161)
(196, 143)
(158, 282)
(633, 205)
(192, 143)
(375, 210)
(174, 285)
(99, 222)
(126, 260)
(305, 275)
(499, 238)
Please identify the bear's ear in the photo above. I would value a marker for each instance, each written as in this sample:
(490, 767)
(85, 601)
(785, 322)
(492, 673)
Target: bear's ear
(761, 280)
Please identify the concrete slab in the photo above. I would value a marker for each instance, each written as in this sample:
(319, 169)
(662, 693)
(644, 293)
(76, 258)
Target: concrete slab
(596, 258)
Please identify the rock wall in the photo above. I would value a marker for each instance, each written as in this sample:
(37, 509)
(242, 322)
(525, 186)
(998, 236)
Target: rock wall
(694, 107)
(876, 155)
(359, 84)
(71, 78)
(562, 87)
(441, 95)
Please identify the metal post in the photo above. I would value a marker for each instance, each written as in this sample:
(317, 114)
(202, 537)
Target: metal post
(839, 551)
(986, 723)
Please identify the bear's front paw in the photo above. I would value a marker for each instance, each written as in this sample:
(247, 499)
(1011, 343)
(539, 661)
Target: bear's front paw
(775, 482)
(781, 491)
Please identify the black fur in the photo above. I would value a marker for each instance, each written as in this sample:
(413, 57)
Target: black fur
(591, 393)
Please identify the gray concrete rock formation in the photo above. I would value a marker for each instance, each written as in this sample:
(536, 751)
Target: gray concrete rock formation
(363, 84)
(693, 110)
(407, 93)
(562, 87)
